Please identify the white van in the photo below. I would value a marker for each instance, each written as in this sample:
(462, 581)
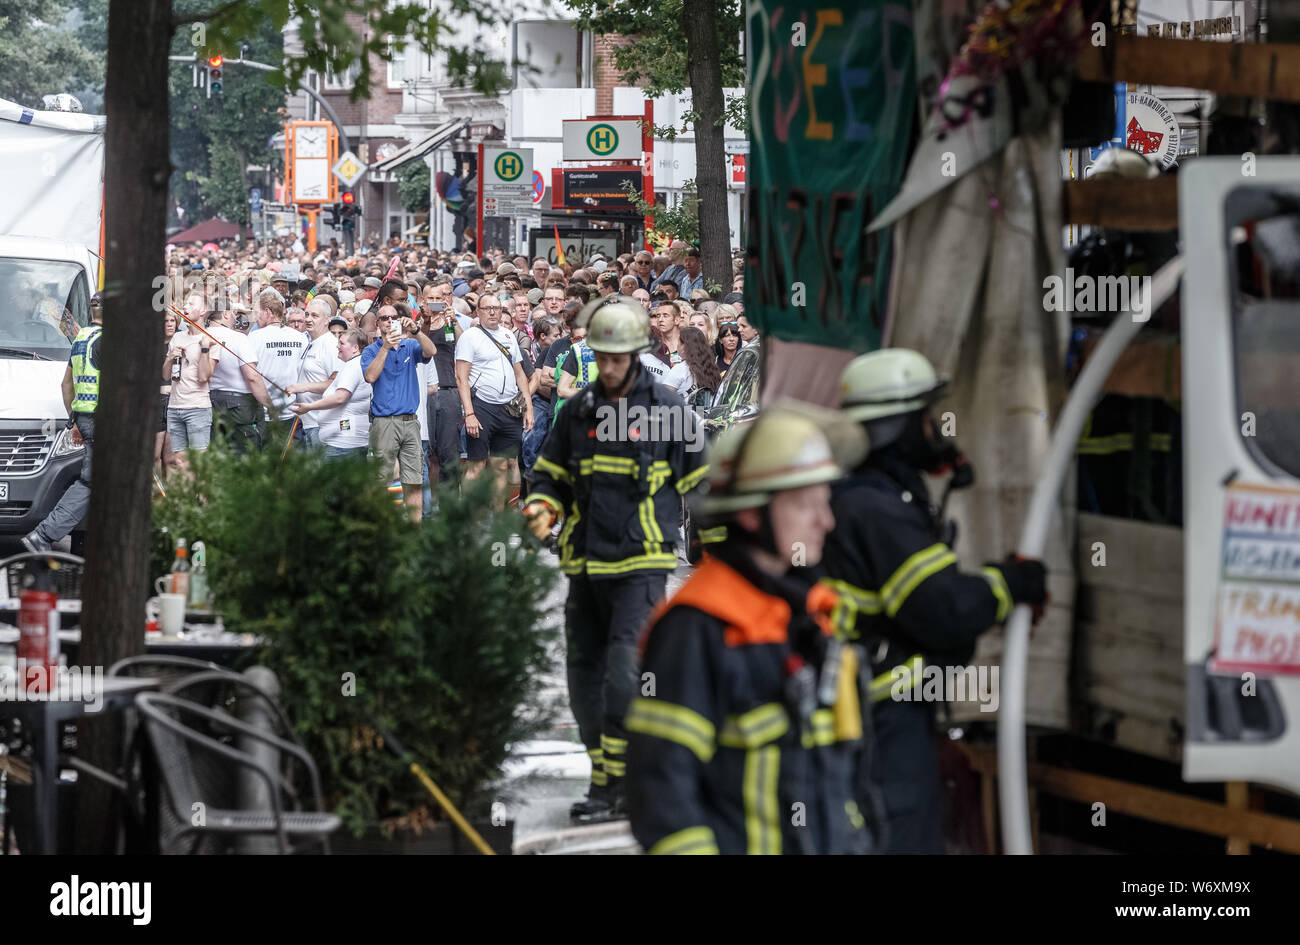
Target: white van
(51, 224)
(45, 288)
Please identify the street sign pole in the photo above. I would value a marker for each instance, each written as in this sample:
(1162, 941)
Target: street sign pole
(311, 229)
(648, 166)
(482, 178)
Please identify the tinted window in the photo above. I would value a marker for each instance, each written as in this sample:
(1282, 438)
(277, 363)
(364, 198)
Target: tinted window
(43, 304)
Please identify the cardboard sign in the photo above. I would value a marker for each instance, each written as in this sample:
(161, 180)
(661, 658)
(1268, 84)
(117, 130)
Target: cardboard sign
(1258, 620)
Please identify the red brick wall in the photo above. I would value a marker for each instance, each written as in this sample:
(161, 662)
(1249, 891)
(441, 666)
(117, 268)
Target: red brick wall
(606, 73)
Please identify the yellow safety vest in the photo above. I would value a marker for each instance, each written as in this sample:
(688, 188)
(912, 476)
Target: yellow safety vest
(85, 376)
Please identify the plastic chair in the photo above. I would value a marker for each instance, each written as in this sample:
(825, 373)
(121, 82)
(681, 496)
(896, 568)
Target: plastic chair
(67, 580)
(199, 773)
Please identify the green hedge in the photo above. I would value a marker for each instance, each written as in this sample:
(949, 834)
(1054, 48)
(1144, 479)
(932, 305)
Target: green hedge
(438, 625)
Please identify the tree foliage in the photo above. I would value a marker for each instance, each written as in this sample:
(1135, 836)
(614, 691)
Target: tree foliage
(42, 52)
(371, 623)
(657, 57)
(413, 187)
(681, 221)
(214, 139)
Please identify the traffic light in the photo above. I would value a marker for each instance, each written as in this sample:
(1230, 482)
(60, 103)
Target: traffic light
(334, 210)
(350, 209)
(214, 73)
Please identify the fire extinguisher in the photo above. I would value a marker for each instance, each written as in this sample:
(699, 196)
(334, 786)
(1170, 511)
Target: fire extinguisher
(38, 629)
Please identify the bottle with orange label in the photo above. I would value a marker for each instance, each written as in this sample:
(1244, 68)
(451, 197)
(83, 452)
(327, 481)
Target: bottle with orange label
(180, 579)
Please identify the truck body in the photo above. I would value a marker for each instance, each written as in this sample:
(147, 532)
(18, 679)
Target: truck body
(51, 238)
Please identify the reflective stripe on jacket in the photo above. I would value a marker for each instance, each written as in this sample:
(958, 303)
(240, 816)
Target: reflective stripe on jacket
(716, 762)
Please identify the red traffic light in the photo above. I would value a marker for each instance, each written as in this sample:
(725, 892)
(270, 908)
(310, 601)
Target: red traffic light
(215, 62)
(349, 197)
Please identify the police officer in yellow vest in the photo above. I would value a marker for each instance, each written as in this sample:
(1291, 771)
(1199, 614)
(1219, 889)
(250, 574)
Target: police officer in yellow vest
(80, 397)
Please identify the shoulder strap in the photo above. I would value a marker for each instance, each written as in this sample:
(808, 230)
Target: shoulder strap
(500, 347)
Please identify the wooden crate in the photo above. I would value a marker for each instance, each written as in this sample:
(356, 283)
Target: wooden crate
(1127, 674)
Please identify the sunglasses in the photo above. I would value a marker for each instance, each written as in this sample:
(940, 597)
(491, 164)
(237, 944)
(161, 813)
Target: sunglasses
(730, 324)
(728, 331)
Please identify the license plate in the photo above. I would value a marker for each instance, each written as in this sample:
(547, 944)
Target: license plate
(4, 491)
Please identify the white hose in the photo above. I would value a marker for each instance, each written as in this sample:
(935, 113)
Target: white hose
(1013, 787)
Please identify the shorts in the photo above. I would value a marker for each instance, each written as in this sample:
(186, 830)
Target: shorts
(394, 440)
(190, 427)
(501, 434)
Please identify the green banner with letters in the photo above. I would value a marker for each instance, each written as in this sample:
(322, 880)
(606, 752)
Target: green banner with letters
(831, 106)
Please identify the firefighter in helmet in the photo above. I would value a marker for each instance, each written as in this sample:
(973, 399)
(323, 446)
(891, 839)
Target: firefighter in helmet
(617, 462)
(747, 735)
(903, 596)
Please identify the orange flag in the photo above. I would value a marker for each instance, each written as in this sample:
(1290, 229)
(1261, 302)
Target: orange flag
(559, 249)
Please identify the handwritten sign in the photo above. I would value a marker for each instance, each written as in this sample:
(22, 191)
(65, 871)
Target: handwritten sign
(832, 100)
(1259, 588)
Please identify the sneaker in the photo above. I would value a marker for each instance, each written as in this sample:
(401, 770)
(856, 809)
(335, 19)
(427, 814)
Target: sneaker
(35, 543)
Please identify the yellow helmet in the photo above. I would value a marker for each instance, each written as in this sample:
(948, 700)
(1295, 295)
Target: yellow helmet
(615, 327)
(887, 383)
(789, 446)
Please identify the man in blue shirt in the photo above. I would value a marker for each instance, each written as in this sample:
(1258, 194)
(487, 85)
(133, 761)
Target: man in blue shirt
(390, 366)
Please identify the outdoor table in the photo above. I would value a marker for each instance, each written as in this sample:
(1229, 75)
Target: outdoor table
(42, 716)
(220, 647)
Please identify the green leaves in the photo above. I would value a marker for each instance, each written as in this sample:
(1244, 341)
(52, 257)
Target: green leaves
(444, 646)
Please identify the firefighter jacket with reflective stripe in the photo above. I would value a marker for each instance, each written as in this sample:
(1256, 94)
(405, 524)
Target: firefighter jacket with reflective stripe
(616, 471)
(720, 758)
(85, 373)
(900, 588)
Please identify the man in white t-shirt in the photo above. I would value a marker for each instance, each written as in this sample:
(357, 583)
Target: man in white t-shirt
(319, 365)
(280, 351)
(343, 413)
(489, 373)
(237, 387)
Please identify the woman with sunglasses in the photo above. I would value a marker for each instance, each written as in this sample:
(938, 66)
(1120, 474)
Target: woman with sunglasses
(728, 336)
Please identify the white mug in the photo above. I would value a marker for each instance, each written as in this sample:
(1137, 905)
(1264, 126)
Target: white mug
(169, 611)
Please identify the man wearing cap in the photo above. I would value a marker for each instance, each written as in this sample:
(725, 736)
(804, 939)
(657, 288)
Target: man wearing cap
(389, 365)
(617, 480)
(369, 289)
(747, 735)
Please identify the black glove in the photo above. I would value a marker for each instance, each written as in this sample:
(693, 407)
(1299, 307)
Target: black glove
(1026, 579)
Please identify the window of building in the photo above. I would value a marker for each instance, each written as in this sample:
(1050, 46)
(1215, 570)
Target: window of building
(397, 64)
(344, 82)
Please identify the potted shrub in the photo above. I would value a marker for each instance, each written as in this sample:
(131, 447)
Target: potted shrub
(432, 632)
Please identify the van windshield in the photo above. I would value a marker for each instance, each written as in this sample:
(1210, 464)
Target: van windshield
(43, 304)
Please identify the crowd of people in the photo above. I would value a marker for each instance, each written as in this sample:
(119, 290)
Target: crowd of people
(460, 361)
(786, 673)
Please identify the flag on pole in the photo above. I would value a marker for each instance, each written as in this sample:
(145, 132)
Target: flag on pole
(559, 249)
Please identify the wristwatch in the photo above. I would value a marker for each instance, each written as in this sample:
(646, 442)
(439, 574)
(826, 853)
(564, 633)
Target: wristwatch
(205, 350)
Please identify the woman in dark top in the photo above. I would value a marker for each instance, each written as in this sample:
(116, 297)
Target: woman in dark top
(729, 342)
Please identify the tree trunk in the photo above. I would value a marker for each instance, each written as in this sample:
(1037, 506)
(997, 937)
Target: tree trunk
(704, 70)
(118, 535)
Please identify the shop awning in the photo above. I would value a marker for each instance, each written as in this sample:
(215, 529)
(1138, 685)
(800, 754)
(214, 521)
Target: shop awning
(418, 149)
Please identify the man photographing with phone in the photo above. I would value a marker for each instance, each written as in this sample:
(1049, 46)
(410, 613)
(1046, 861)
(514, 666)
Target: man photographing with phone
(390, 366)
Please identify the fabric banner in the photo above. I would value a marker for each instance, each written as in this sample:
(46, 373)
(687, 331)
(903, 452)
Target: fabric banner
(831, 106)
(54, 169)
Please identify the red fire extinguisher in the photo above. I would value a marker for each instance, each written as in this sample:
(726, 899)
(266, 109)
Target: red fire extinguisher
(38, 631)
